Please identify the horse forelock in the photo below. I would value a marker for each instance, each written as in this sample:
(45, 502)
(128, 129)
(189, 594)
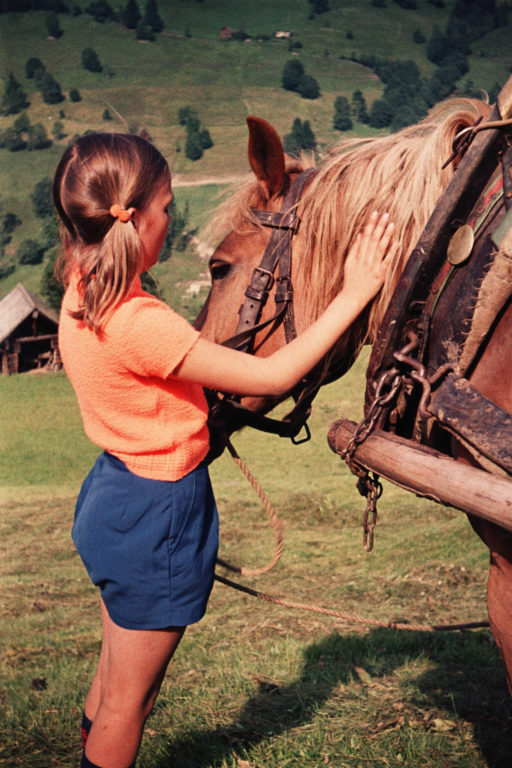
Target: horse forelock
(235, 213)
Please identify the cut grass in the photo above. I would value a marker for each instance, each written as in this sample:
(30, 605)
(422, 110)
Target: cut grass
(255, 684)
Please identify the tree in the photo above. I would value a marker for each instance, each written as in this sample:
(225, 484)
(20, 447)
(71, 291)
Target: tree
(193, 124)
(405, 115)
(152, 18)
(101, 11)
(436, 46)
(193, 147)
(493, 92)
(14, 99)
(30, 252)
(308, 87)
(292, 72)
(177, 236)
(308, 137)
(198, 138)
(359, 108)
(12, 140)
(131, 15)
(41, 198)
(58, 130)
(320, 6)
(90, 60)
(301, 137)
(8, 223)
(342, 120)
(144, 32)
(38, 138)
(51, 289)
(184, 113)
(74, 95)
(205, 139)
(458, 61)
(39, 74)
(22, 123)
(50, 89)
(52, 25)
(32, 65)
(380, 114)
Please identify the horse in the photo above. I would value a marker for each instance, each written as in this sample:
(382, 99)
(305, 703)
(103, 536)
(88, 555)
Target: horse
(402, 173)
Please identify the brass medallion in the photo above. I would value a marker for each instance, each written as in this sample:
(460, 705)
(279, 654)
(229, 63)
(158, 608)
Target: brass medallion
(461, 244)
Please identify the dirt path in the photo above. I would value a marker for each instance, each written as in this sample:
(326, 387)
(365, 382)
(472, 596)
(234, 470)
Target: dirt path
(180, 180)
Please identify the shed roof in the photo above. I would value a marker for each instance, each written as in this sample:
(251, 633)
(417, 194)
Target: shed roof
(17, 306)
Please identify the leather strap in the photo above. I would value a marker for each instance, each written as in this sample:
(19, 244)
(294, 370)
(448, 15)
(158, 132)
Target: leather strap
(278, 251)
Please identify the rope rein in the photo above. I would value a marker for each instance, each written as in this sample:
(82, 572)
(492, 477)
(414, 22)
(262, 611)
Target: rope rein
(275, 521)
(351, 618)
(277, 525)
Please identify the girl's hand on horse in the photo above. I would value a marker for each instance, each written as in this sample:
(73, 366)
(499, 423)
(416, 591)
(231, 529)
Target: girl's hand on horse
(370, 257)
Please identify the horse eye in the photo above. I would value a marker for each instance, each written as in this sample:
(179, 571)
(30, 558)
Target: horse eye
(219, 269)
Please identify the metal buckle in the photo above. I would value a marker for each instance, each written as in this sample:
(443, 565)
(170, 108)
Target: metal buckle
(264, 273)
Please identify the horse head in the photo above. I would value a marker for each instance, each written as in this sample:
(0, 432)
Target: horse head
(401, 173)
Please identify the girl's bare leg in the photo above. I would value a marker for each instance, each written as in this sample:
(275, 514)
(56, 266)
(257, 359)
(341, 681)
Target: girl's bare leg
(131, 668)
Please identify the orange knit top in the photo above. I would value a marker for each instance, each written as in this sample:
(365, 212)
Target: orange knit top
(130, 403)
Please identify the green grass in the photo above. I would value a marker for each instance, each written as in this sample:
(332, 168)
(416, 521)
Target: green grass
(253, 684)
(145, 84)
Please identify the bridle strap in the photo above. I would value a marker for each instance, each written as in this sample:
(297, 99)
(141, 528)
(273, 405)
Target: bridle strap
(227, 414)
(278, 251)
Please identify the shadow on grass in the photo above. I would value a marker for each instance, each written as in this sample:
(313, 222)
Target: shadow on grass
(463, 679)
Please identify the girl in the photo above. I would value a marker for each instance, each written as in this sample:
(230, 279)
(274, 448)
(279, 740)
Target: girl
(146, 522)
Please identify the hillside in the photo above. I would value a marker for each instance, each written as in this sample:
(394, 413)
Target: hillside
(144, 84)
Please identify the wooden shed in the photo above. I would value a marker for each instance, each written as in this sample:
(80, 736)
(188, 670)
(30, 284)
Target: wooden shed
(28, 333)
(225, 33)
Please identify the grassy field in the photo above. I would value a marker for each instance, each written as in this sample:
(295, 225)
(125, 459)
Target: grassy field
(143, 85)
(254, 685)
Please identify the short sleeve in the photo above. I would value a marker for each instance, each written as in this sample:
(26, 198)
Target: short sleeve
(148, 337)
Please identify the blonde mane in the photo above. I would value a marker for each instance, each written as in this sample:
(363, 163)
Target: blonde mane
(400, 173)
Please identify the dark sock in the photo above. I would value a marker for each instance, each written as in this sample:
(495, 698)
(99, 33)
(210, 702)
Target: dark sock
(85, 728)
(86, 763)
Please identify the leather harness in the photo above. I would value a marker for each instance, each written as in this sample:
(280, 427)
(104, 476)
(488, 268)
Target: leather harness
(438, 306)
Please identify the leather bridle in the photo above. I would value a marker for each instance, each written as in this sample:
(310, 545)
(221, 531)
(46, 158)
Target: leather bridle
(278, 254)
(227, 414)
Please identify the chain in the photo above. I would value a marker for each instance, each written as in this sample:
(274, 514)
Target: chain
(386, 391)
(368, 484)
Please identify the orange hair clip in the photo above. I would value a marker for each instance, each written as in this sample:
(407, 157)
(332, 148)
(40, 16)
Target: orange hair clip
(120, 213)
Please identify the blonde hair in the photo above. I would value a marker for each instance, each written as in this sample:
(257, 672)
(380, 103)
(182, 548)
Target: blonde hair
(97, 171)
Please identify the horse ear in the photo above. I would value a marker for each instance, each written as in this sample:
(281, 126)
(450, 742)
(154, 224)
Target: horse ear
(266, 156)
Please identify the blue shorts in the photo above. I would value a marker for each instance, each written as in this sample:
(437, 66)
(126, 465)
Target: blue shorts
(149, 545)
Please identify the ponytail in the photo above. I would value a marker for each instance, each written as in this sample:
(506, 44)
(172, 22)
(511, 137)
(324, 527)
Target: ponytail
(100, 181)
